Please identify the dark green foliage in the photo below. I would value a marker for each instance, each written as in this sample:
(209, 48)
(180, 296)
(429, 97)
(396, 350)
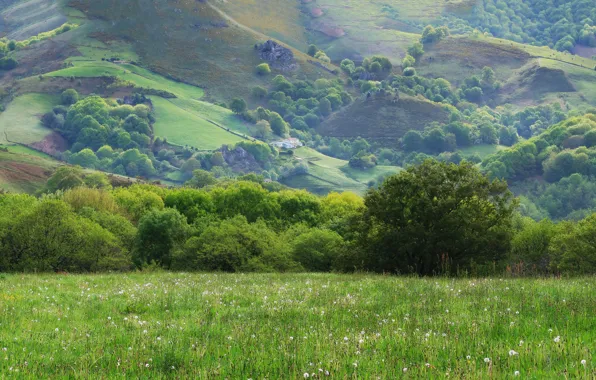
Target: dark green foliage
(434, 216)
(238, 106)
(69, 97)
(160, 232)
(8, 63)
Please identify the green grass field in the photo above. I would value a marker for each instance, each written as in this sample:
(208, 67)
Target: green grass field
(176, 325)
(135, 74)
(328, 174)
(25, 150)
(483, 150)
(21, 122)
(183, 127)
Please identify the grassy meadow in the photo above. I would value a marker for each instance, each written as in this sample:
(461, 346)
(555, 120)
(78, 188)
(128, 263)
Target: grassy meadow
(162, 325)
(21, 122)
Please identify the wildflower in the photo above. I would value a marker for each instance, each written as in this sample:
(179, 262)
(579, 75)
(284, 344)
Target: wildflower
(345, 338)
(4, 349)
(147, 365)
(516, 373)
(306, 375)
(583, 362)
(291, 338)
(521, 342)
(109, 318)
(513, 353)
(355, 365)
(405, 370)
(557, 339)
(57, 329)
(327, 373)
(468, 357)
(427, 365)
(487, 360)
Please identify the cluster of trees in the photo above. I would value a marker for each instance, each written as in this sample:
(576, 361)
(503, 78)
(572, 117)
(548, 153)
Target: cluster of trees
(374, 67)
(564, 149)
(554, 170)
(430, 219)
(558, 24)
(104, 135)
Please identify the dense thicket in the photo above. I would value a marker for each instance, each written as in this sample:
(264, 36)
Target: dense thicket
(434, 218)
(558, 24)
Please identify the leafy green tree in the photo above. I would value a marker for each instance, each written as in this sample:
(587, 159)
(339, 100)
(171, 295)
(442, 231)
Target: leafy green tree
(159, 233)
(69, 97)
(200, 179)
(408, 61)
(85, 158)
(436, 215)
(317, 249)
(312, 50)
(65, 177)
(324, 107)
(416, 50)
(263, 69)
(238, 105)
(413, 141)
(278, 125)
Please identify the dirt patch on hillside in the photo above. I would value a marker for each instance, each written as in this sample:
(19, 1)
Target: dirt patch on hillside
(379, 118)
(328, 28)
(316, 12)
(52, 144)
(22, 175)
(584, 51)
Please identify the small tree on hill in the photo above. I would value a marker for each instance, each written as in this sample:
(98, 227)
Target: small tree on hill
(238, 105)
(70, 96)
(263, 69)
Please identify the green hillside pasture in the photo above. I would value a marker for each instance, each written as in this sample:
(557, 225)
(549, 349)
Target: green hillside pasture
(365, 176)
(295, 326)
(137, 75)
(328, 174)
(483, 150)
(21, 122)
(583, 79)
(182, 127)
(212, 112)
(354, 29)
(21, 149)
(24, 172)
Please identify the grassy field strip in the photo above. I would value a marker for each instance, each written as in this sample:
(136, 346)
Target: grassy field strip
(185, 128)
(178, 325)
(21, 121)
(137, 75)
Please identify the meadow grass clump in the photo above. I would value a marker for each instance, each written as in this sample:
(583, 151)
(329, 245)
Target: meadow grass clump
(162, 325)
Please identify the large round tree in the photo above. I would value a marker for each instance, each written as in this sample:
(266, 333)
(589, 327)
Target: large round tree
(437, 217)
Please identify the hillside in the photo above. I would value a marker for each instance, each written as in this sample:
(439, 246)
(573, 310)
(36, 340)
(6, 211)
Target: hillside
(23, 170)
(381, 118)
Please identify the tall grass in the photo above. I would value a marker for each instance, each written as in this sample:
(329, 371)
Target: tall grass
(274, 326)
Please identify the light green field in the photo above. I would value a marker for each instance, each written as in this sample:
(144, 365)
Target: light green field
(328, 174)
(25, 150)
(182, 127)
(21, 122)
(212, 112)
(483, 150)
(137, 75)
(283, 326)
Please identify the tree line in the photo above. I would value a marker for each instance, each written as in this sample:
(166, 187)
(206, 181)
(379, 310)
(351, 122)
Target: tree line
(434, 218)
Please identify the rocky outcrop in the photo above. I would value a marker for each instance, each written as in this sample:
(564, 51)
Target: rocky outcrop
(239, 160)
(277, 56)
